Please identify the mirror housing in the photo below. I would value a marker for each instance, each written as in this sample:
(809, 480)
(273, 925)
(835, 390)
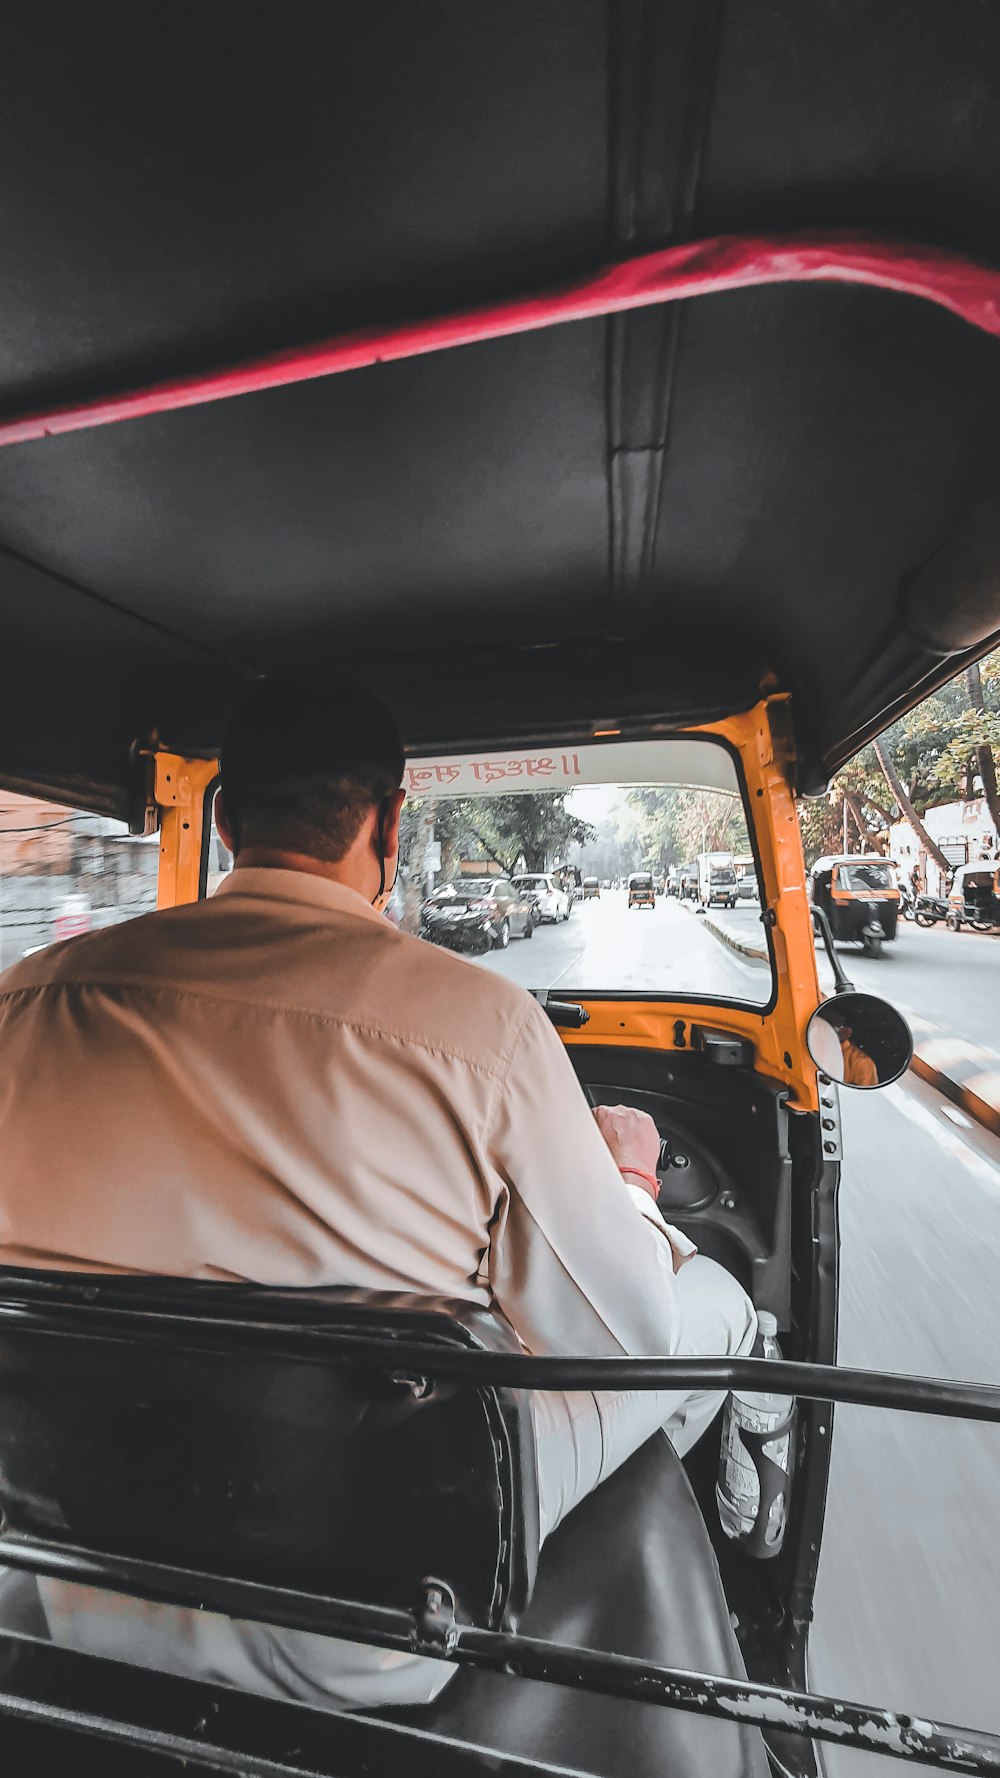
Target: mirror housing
(859, 1040)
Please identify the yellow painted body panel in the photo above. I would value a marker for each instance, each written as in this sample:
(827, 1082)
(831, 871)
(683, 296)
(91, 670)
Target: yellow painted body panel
(179, 788)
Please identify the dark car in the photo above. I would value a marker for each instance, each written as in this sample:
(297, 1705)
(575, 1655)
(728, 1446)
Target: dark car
(478, 914)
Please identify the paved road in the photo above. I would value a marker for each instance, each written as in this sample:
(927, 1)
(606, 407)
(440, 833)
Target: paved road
(910, 1575)
(946, 979)
(909, 1586)
(604, 945)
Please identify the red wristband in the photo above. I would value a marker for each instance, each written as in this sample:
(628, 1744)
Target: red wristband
(650, 1178)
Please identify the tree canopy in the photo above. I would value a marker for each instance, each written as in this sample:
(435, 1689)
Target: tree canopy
(676, 825)
(536, 830)
(946, 750)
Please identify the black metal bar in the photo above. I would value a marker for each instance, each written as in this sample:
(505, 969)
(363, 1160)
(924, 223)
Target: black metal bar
(836, 1720)
(840, 978)
(210, 1756)
(813, 1382)
(385, 1626)
(275, 1733)
(207, 1756)
(446, 1363)
(199, 1754)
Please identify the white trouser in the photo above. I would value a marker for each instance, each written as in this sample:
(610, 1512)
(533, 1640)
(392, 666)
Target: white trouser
(581, 1439)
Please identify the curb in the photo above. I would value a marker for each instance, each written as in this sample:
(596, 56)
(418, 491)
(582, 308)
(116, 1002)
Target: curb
(965, 1073)
(979, 1109)
(972, 1080)
(739, 945)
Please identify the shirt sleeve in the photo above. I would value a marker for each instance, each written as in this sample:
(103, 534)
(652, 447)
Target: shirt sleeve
(576, 1262)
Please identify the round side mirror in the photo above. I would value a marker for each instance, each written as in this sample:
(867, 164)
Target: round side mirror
(859, 1040)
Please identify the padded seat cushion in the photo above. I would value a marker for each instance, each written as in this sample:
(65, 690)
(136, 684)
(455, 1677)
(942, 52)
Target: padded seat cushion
(631, 1571)
(21, 1604)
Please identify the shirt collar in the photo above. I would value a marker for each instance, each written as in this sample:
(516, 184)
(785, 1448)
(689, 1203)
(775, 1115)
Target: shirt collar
(300, 886)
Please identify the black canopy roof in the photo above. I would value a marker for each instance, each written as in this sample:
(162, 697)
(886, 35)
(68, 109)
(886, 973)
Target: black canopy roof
(646, 515)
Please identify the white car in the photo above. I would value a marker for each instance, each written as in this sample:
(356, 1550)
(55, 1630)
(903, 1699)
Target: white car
(552, 902)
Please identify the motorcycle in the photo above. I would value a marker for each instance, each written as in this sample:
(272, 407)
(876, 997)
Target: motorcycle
(929, 909)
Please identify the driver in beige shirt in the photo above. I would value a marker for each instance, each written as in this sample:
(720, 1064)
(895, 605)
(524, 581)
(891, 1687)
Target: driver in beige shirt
(276, 1085)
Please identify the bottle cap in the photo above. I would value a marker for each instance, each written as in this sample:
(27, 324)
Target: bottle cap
(767, 1323)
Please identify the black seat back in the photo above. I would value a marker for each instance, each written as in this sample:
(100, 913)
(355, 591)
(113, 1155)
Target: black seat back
(216, 1428)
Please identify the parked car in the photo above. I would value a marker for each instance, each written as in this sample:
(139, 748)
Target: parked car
(478, 914)
(552, 902)
(591, 889)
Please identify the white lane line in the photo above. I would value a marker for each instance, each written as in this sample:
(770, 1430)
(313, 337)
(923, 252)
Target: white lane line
(953, 1145)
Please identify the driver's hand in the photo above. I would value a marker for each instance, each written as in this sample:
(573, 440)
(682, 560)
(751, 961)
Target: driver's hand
(634, 1141)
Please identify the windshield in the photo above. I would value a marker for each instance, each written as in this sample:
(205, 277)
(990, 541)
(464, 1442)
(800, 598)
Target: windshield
(858, 878)
(622, 814)
(464, 891)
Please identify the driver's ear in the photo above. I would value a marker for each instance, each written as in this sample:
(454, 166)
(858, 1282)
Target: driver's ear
(390, 822)
(224, 824)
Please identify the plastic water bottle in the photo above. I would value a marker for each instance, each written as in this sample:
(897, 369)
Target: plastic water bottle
(758, 1445)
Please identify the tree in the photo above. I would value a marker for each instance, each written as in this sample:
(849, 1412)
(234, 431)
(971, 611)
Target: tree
(892, 779)
(933, 755)
(675, 825)
(417, 824)
(986, 738)
(535, 827)
(531, 827)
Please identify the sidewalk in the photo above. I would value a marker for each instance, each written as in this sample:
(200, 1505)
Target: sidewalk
(966, 1073)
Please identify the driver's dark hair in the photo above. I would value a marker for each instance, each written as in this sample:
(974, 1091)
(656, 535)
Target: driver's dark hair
(305, 756)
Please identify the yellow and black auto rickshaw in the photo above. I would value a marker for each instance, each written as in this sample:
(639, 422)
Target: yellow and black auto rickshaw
(641, 893)
(974, 897)
(859, 897)
(615, 387)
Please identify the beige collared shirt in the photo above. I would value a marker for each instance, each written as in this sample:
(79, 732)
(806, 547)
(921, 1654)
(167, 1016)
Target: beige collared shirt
(277, 1085)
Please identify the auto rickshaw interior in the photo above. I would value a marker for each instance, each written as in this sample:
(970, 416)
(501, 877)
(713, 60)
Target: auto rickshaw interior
(273, 396)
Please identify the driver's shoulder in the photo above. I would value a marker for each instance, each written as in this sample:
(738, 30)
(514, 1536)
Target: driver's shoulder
(444, 992)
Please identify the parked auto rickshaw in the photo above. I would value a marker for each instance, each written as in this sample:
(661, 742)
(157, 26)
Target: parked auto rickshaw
(974, 897)
(860, 898)
(384, 341)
